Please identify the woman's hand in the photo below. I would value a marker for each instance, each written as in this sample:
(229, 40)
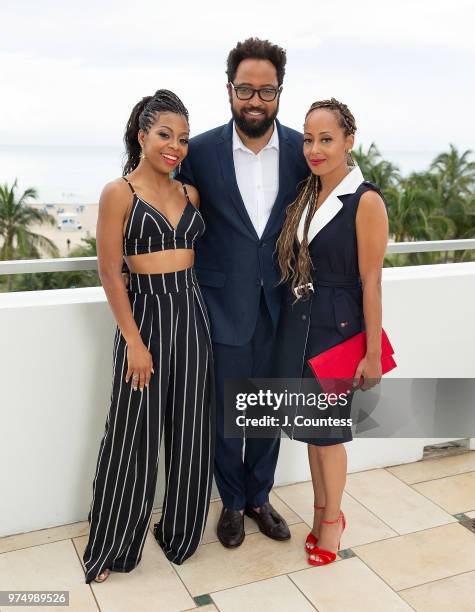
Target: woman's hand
(370, 369)
(140, 365)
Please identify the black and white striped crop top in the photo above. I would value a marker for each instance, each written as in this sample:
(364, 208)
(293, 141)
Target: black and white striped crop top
(148, 230)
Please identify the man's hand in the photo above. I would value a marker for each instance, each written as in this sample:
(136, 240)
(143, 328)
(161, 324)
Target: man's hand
(125, 278)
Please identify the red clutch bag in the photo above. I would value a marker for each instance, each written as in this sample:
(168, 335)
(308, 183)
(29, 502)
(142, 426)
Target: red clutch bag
(335, 368)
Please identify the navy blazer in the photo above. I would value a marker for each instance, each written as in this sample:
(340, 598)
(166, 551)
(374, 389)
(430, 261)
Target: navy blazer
(232, 263)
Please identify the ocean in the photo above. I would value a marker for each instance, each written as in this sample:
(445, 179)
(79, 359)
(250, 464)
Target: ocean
(76, 174)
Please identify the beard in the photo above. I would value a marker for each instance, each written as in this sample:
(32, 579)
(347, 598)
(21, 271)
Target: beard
(254, 128)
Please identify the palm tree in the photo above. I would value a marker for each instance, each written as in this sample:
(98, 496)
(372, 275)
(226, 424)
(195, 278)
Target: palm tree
(83, 278)
(63, 280)
(89, 249)
(456, 169)
(415, 214)
(383, 173)
(18, 241)
(454, 174)
(434, 205)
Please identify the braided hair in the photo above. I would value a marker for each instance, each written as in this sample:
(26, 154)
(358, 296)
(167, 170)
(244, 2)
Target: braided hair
(297, 267)
(142, 117)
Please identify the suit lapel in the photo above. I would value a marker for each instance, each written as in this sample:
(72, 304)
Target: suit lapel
(226, 161)
(331, 205)
(323, 215)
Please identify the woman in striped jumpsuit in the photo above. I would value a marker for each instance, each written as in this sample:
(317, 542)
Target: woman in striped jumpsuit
(162, 356)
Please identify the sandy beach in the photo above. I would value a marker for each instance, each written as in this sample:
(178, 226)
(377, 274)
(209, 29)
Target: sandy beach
(75, 214)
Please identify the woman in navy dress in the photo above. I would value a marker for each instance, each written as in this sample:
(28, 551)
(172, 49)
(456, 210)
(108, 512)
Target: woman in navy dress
(331, 251)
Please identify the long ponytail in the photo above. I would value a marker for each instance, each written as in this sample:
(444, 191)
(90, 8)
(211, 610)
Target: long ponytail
(132, 146)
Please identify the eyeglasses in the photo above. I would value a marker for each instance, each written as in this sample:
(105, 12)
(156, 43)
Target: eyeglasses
(266, 94)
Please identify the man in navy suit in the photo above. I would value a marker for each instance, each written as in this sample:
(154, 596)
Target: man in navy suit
(247, 173)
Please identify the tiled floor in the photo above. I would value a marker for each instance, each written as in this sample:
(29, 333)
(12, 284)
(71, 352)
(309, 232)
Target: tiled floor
(408, 546)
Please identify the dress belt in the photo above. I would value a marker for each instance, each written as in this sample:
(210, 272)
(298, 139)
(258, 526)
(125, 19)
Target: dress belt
(329, 280)
(335, 280)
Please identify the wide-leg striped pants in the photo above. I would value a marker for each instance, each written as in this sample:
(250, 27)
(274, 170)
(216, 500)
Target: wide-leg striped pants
(171, 315)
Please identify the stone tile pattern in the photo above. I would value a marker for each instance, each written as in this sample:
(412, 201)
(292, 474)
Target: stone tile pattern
(408, 546)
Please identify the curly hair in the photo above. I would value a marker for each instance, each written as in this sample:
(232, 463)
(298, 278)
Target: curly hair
(255, 48)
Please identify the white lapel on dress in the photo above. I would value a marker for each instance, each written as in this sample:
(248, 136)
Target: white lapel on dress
(331, 205)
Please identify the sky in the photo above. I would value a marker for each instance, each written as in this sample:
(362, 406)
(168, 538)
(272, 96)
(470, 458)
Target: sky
(71, 72)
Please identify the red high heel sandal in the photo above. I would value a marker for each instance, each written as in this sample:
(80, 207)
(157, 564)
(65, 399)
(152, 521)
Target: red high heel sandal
(327, 556)
(312, 540)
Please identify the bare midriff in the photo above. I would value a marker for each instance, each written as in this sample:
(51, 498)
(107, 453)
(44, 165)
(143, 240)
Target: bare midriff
(161, 262)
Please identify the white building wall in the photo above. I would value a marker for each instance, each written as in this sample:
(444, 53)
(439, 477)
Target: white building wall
(56, 365)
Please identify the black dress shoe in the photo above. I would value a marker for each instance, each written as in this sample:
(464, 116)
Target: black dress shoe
(270, 522)
(231, 528)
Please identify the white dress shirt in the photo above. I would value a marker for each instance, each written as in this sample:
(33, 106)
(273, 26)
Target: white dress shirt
(257, 177)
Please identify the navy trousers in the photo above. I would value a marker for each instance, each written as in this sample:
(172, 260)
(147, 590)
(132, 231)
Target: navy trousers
(244, 469)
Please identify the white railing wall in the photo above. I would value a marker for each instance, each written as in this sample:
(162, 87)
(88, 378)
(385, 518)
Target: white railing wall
(56, 365)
